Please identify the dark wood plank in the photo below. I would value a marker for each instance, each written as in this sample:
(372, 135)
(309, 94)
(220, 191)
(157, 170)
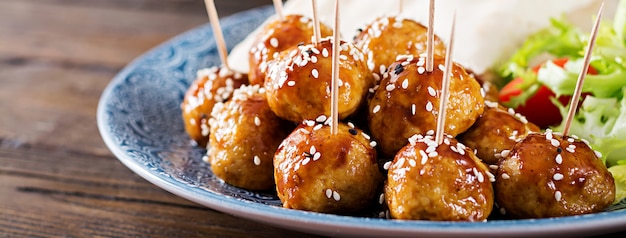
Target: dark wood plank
(57, 178)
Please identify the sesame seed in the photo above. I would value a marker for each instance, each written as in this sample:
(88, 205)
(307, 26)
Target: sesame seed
(329, 193)
(491, 104)
(336, 196)
(557, 196)
(441, 67)
(430, 132)
(555, 143)
(376, 109)
(549, 136)
(291, 83)
(366, 136)
(317, 156)
(502, 211)
(412, 162)
(274, 42)
(413, 109)
(429, 106)
(321, 119)
(493, 166)
(314, 59)
(390, 87)
(257, 160)
(400, 162)
(557, 176)
(306, 160)
(431, 91)
(598, 154)
(312, 150)
(387, 165)
(381, 198)
(351, 125)
(505, 153)
(309, 123)
(315, 73)
(317, 127)
(421, 70)
(257, 121)
(424, 157)
(505, 176)
(492, 178)
(479, 175)
(433, 154)
(558, 159)
(405, 83)
(373, 144)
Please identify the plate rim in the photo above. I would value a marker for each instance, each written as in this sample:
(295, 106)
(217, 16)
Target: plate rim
(325, 224)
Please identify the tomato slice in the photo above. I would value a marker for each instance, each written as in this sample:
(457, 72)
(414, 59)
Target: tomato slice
(538, 109)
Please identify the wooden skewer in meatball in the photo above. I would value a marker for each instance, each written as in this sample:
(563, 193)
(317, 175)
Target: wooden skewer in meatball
(212, 85)
(438, 178)
(549, 175)
(317, 171)
(298, 84)
(496, 131)
(553, 175)
(245, 133)
(387, 37)
(277, 36)
(407, 99)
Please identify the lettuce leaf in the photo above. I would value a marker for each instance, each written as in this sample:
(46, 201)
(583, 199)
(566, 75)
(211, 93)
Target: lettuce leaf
(601, 118)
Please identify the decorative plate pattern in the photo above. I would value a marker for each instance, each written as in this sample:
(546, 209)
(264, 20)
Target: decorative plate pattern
(139, 118)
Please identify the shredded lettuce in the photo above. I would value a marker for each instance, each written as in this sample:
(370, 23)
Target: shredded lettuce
(601, 119)
(619, 175)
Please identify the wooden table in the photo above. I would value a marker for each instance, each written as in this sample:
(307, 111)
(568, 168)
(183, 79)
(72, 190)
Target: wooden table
(57, 178)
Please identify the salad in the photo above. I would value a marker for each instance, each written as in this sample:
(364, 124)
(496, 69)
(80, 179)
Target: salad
(541, 91)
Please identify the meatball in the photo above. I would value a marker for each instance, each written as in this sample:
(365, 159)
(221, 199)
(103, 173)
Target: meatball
(298, 84)
(278, 36)
(549, 175)
(407, 100)
(445, 182)
(245, 133)
(317, 171)
(212, 85)
(387, 37)
(496, 131)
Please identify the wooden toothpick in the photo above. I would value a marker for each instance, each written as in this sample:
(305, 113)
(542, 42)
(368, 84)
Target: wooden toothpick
(278, 7)
(430, 38)
(316, 24)
(217, 32)
(583, 72)
(335, 72)
(400, 7)
(445, 86)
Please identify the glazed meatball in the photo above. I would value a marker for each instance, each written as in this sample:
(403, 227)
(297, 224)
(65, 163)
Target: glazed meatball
(245, 133)
(445, 182)
(298, 84)
(211, 86)
(387, 37)
(549, 175)
(317, 171)
(277, 36)
(496, 131)
(407, 100)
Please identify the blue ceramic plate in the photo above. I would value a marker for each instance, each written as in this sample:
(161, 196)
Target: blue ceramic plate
(139, 118)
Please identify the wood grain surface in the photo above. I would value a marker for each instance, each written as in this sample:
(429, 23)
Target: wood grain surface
(57, 177)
